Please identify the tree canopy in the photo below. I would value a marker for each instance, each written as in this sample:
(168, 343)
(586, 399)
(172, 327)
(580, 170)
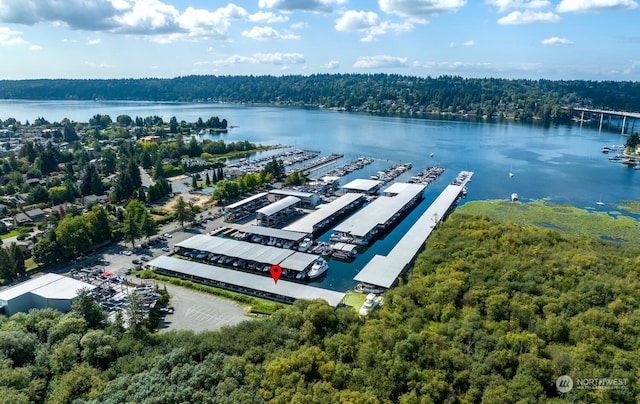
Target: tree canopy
(491, 312)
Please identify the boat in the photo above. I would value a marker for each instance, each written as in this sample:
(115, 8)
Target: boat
(368, 305)
(318, 268)
(431, 155)
(514, 197)
(305, 244)
(341, 255)
(600, 203)
(606, 149)
(511, 172)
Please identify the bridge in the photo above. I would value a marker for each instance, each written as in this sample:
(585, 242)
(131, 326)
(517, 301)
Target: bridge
(623, 119)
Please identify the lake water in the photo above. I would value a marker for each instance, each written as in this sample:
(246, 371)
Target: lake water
(561, 163)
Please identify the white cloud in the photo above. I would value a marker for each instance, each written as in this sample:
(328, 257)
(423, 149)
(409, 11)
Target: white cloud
(578, 6)
(556, 41)
(93, 42)
(527, 17)
(321, 6)
(635, 66)
(300, 25)
(263, 58)
(267, 17)
(357, 21)
(154, 19)
(583, 6)
(506, 5)
(35, 48)
(9, 37)
(368, 23)
(332, 64)
(263, 33)
(372, 62)
(416, 9)
(469, 44)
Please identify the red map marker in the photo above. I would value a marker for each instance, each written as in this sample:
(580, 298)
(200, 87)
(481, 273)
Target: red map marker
(275, 272)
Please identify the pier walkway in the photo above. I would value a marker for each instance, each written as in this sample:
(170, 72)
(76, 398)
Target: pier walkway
(382, 271)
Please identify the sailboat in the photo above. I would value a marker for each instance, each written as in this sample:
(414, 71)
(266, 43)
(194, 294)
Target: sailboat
(511, 172)
(600, 203)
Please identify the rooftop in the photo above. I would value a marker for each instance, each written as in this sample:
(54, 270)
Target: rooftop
(360, 184)
(49, 286)
(249, 281)
(323, 212)
(278, 205)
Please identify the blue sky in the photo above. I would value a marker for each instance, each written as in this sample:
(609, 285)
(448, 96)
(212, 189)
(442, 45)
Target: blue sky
(565, 39)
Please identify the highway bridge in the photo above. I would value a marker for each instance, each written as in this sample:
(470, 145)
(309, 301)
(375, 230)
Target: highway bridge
(624, 120)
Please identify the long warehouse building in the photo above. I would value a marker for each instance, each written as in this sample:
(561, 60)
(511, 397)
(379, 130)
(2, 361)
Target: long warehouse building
(257, 285)
(381, 271)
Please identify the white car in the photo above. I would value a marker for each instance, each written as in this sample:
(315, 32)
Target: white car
(167, 235)
(127, 252)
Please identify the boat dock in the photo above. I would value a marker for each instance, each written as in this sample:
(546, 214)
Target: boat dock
(248, 256)
(243, 282)
(318, 163)
(361, 227)
(382, 271)
(324, 215)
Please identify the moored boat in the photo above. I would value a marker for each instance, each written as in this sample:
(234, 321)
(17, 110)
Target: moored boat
(319, 267)
(514, 197)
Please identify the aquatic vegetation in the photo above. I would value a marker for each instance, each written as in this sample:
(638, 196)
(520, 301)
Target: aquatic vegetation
(620, 226)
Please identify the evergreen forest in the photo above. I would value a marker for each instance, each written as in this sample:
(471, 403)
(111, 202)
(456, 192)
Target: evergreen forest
(492, 312)
(546, 100)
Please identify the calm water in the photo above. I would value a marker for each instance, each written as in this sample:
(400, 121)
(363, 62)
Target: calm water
(560, 163)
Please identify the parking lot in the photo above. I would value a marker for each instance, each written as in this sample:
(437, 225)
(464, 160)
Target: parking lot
(201, 312)
(192, 310)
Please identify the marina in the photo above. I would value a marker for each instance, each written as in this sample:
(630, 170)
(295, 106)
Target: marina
(382, 271)
(255, 165)
(348, 168)
(247, 256)
(326, 214)
(381, 213)
(243, 282)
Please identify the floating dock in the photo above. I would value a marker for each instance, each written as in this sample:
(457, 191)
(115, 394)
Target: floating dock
(292, 262)
(325, 214)
(382, 271)
(243, 282)
(383, 211)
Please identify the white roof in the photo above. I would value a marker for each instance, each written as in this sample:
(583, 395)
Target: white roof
(384, 270)
(291, 192)
(247, 200)
(323, 212)
(49, 286)
(277, 233)
(277, 206)
(289, 259)
(247, 280)
(380, 210)
(361, 184)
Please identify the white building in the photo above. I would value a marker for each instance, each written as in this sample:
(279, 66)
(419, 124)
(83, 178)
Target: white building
(50, 290)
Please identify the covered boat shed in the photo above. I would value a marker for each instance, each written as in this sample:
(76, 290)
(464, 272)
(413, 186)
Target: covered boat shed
(278, 211)
(363, 186)
(256, 285)
(326, 214)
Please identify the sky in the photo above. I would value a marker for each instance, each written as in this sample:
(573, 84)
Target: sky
(531, 39)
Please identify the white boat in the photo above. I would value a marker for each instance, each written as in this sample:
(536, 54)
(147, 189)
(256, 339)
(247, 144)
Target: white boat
(600, 203)
(514, 197)
(305, 244)
(511, 172)
(368, 305)
(318, 268)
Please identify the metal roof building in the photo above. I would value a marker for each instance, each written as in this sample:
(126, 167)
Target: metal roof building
(279, 210)
(246, 201)
(309, 199)
(311, 222)
(50, 290)
(382, 270)
(362, 186)
(268, 255)
(284, 234)
(380, 211)
(258, 285)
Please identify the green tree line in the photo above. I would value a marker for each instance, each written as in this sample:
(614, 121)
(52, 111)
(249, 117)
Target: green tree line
(386, 93)
(491, 313)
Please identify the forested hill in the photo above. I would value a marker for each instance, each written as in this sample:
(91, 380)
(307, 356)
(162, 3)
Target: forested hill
(491, 313)
(386, 93)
